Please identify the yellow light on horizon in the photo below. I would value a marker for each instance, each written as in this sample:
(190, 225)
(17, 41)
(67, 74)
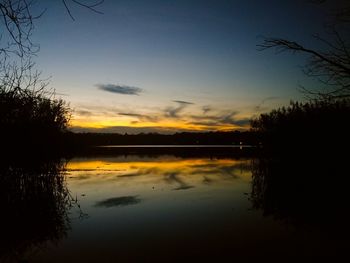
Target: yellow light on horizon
(103, 122)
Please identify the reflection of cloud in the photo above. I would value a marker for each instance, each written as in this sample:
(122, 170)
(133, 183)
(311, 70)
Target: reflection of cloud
(81, 177)
(130, 174)
(229, 170)
(118, 201)
(183, 187)
(172, 177)
(140, 172)
(120, 89)
(206, 165)
(207, 180)
(212, 169)
(172, 112)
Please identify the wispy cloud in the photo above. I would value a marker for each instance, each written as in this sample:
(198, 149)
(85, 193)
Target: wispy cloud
(173, 112)
(182, 102)
(206, 109)
(83, 113)
(130, 129)
(220, 119)
(119, 89)
(260, 106)
(140, 117)
(160, 120)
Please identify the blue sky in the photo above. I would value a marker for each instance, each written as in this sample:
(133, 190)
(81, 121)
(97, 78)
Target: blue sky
(200, 52)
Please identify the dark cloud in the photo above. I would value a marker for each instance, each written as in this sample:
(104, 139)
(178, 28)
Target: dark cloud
(228, 118)
(206, 109)
(172, 112)
(242, 122)
(220, 119)
(118, 201)
(183, 102)
(130, 130)
(84, 112)
(119, 89)
(130, 114)
(141, 117)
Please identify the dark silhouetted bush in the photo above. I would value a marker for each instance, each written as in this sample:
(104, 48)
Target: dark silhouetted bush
(315, 124)
(30, 118)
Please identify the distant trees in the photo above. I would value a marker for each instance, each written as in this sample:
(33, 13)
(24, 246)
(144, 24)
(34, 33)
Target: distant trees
(331, 65)
(313, 125)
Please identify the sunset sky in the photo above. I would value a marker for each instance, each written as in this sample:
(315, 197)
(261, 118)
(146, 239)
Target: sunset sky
(167, 66)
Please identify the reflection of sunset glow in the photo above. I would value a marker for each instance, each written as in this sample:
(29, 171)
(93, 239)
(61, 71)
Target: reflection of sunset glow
(156, 176)
(153, 169)
(166, 164)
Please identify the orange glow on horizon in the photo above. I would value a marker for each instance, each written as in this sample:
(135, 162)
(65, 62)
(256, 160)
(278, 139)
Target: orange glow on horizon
(165, 124)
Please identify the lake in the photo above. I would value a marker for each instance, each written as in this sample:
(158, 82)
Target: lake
(157, 207)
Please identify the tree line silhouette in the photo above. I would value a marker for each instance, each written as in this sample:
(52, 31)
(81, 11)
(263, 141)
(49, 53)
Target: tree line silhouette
(318, 124)
(182, 138)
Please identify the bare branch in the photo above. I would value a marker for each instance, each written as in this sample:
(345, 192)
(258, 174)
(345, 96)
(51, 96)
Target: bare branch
(91, 7)
(331, 68)
(330, 65)
(68, 10)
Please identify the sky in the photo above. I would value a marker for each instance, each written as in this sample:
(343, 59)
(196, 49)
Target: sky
(169, 66)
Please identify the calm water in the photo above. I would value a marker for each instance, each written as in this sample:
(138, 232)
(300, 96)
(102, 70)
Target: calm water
(163, 208)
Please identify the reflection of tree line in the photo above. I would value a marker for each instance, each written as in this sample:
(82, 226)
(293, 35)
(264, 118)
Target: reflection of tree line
(35, 200)
(303, 190)
(302, 174)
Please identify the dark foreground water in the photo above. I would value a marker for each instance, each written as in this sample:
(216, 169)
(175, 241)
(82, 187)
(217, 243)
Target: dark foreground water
(152, 208)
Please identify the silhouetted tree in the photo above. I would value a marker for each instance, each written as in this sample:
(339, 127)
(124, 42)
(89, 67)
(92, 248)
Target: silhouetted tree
(331, 66)
(30, 115)
(29, 112)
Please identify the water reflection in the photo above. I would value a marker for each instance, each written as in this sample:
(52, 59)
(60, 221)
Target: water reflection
(159, 172)
(308, 192)
(34, 200)
(155, 208)
(168, 208)
(119, 201)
